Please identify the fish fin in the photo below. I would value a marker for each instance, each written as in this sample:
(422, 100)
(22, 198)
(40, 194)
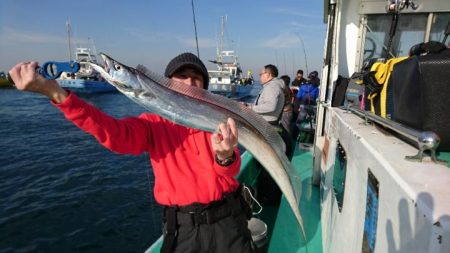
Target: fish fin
(144, 70)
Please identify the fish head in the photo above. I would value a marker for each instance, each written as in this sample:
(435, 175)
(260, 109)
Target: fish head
(119, 75)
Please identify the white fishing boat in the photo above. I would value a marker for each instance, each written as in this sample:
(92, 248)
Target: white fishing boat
(377, 195)
(228, 79)
(364, 189)
(86, 80)
(4, 80)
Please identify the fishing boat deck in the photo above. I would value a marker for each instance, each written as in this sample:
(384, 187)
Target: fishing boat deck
(286, 236)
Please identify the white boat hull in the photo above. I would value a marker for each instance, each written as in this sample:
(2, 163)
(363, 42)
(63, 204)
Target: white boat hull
(413, 201)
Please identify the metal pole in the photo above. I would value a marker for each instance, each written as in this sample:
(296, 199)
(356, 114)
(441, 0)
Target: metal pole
(425, 140)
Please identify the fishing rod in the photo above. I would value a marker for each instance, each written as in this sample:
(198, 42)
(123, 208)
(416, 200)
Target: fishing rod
(52, 70)
(195, 28)
(304, 51)
(394, 7)
(446, 33)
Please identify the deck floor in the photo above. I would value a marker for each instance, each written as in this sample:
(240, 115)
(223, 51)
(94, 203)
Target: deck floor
(286, 236)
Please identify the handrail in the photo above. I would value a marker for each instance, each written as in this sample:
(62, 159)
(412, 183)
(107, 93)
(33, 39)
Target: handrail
(425, 140)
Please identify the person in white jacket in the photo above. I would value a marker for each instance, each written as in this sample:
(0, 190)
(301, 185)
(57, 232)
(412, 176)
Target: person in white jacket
(269, 104)
(270, 101)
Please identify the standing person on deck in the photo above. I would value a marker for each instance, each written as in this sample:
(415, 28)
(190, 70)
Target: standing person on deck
(295, 86)
(269, 104)
(287, 118)
(299, 80)
(194, 170)
(307, 96)
(314, 79)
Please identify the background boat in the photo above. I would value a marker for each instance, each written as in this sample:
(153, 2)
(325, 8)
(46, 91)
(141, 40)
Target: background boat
(86, 80)
(228, 79)
(4, 83)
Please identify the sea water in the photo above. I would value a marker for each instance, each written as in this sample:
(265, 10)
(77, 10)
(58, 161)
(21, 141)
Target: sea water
(61, 191)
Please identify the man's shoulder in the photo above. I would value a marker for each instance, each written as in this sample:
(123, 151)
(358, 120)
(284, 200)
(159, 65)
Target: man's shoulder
(274, 86)
(277, 82)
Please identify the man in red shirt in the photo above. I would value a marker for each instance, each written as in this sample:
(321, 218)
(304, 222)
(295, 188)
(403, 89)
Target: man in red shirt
(194, 170)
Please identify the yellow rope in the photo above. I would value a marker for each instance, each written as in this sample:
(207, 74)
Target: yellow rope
(382, 74)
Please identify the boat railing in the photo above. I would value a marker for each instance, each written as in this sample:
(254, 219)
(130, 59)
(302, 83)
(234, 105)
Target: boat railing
(424, 140)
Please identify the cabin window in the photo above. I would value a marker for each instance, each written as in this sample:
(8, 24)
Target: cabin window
(410, 31)
(371, 219)
(340, 171)
(438, 26)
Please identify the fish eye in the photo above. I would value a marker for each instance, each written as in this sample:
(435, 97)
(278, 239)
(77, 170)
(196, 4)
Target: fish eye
(117, 67)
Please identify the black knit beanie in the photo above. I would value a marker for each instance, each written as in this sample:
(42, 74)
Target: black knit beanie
(187, 60)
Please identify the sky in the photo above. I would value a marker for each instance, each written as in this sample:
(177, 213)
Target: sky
(287, 33)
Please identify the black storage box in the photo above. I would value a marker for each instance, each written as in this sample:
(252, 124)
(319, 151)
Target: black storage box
(421, 94)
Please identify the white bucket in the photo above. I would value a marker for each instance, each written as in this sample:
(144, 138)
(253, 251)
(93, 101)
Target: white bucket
(258, 230)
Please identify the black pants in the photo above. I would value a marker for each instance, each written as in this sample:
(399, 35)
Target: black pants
(228, 235)
(287, 139)
(218, 227)
(268, 192)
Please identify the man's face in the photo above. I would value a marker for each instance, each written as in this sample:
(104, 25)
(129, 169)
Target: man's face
(189, 76)
(264, 76)
(299, 76)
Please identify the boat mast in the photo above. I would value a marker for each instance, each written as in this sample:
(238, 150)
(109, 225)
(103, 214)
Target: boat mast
(222, 29)
(91, 44)
(69, 40)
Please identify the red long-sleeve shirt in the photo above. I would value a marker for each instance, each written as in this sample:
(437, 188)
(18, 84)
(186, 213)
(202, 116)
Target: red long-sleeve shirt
(182, 158)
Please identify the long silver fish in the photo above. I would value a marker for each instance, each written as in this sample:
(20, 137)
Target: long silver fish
(200, 109)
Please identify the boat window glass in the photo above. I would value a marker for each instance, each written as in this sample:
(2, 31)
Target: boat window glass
(410, 31)
(371, 217)
(339, 175)
(438, 26)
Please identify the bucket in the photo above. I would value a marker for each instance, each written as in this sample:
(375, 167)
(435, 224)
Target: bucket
(258, 230)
